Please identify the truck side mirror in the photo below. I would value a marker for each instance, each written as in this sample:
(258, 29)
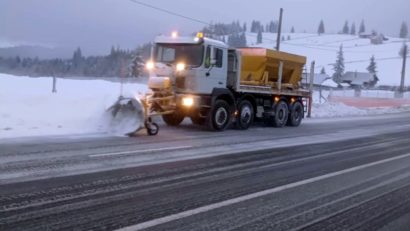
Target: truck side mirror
(212, 54)
(213, 62)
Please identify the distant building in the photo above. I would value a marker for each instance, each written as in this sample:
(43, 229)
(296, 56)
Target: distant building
(364, 35)
(374, 37)
(376, 40)
(329, 83)
(358, 79)
(319, 81)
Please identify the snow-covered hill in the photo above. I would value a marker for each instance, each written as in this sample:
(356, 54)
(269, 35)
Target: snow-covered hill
(357, 52)
(4, 43)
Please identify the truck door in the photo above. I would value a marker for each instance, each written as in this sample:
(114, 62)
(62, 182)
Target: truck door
(215, 68)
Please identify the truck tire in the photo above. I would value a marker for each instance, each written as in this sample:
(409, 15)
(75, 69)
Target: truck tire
(295, 114)
(281, 114)
(246, 115)
(152, 129)
(219, 116)
(173, 119)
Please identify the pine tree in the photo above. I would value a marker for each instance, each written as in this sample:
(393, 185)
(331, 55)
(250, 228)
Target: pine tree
(272, 27)
(256, 26)
(77, 54)
(238, 27)
(231, 40)
(404, 30)
(243, 40)
(135, 66)
(345, 29)
(362, 28)
(323, 71)
(292, 30)
(77, 57)
(353, 29)
(259, 37)
(372, 68)
(244, 27)
(236, 40)
(113, 51)
(321, 29)
(339, 66)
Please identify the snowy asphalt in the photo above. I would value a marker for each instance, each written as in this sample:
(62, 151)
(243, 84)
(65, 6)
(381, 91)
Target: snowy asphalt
(328, 174)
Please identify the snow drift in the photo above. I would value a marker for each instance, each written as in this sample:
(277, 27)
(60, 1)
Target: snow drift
(29, 108)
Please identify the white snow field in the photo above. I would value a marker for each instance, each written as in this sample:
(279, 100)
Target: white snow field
(29, 108)
(357, 52)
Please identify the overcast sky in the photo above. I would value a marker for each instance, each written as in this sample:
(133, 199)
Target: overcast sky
(95, 25)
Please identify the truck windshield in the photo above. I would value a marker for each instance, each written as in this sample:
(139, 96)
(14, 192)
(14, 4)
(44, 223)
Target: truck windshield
(190, 54)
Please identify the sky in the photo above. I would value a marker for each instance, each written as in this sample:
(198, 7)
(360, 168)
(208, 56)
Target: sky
(96, 25)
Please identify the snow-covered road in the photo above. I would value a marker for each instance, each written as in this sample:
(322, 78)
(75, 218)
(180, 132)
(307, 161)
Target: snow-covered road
(334, 171)
(34, 158)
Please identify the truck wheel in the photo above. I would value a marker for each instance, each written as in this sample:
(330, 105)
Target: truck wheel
(296, 114)
(246, 115)
(219, 116)
(173, 119)
(152, 129)
(198, 120)
(281, 114)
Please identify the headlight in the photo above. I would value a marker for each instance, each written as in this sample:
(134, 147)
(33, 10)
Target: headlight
(149, 65)
(174, 34)
(187, 101)
(180, 66)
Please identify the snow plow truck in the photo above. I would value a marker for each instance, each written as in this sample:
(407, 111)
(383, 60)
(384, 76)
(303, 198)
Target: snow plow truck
(216, 86)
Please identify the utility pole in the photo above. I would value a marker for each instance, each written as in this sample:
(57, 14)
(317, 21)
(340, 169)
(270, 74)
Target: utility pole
(311, 81)
(279, 30)
(54, 90)
(403, 70)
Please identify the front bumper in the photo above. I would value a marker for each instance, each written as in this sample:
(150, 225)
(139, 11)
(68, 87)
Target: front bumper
(199, 107)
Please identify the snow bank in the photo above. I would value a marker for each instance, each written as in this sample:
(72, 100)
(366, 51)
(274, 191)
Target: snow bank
(323, 108)
(28, 108)
(332, 109)
(336, 109)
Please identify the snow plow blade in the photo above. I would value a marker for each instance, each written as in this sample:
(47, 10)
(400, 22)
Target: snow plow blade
(128, 117)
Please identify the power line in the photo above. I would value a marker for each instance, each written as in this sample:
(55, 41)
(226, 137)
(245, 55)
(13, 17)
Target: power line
(362, 61)
(340, 41)
(196, 20)
(179, 15)
(310, 47)
(315, 47)
(366, 60)
(170, 12)
(209, 24)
